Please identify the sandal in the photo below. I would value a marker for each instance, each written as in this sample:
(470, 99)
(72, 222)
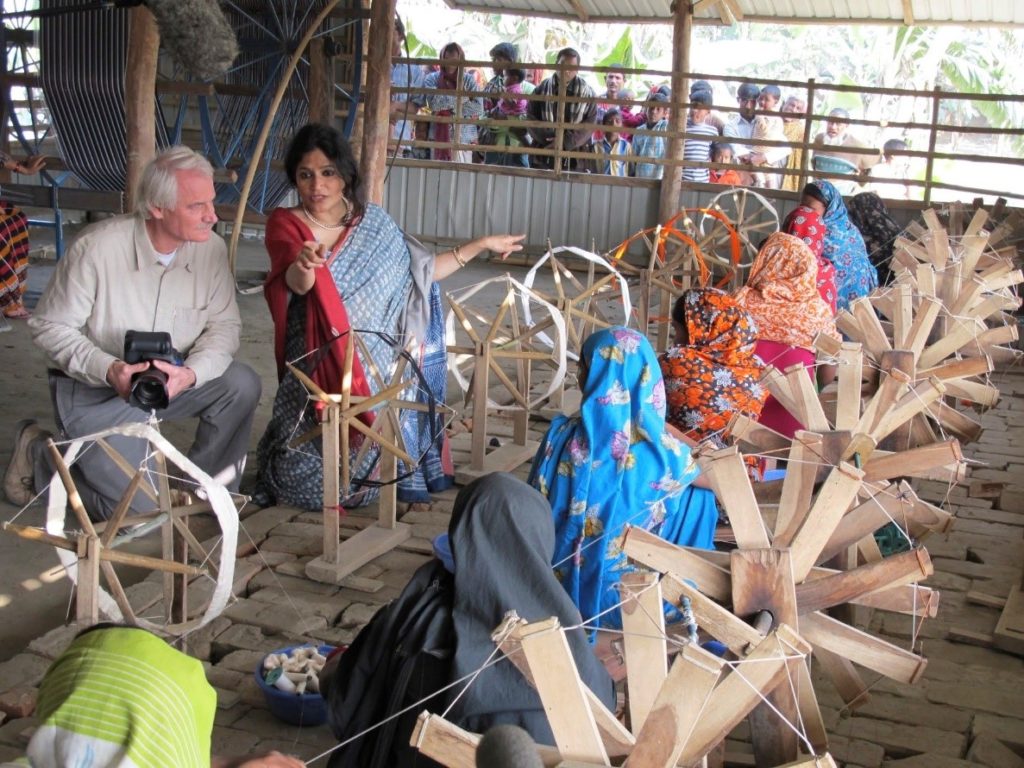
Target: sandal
(17, 312)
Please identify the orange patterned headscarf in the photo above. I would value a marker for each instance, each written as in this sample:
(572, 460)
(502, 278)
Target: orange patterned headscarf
(715, 373)
(782, 294)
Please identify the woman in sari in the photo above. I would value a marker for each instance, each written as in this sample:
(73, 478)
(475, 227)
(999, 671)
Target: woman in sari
(14, 244)
(878, 228)
(613, 465)
(805, 222)
(844, 248)
(782, 298)
(711, 372)
(337, 265)
(443, 103)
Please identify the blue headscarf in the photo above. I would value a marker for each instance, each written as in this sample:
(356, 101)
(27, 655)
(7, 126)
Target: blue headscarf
(844, 247)
(616, 464)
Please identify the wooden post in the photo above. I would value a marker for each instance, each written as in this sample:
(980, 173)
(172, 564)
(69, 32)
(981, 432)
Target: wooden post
(672, 178)
(805, 157)
(321, 83)
(376, 128)
(139, 104)
(356, 138)
(560, 119)
(932, 138)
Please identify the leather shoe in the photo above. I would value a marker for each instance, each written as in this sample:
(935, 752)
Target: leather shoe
(18, 479)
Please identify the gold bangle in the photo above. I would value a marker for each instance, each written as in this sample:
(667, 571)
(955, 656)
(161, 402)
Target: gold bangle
(458, 259)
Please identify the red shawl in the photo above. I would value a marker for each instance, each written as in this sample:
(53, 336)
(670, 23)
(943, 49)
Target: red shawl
(326, 318)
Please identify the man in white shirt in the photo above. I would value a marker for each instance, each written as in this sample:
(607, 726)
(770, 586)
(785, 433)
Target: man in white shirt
(161, 269)
(741, 126)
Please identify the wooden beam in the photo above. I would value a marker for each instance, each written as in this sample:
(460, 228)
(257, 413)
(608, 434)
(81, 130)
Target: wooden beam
(720, 622)
(376, 127)
(741, 690)
(908, 13)
(645, 644)
(862, 648)
(832, 502)
(654, 552)
(798, 485)
(677, 708)
(912, 462)
(727, 475)
(562, 692)
(844, 586)
(672, 179)
(139, 104)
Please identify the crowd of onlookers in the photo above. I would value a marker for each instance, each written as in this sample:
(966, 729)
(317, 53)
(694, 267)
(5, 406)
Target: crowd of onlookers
(621, 135)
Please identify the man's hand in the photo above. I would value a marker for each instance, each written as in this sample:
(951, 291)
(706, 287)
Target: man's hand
(179, 377)
(119, 376)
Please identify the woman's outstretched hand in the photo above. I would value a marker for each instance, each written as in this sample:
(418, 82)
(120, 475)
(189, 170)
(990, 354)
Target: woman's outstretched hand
(503, 245)
(311, 256)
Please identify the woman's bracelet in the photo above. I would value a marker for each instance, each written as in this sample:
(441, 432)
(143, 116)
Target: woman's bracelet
(459, 260)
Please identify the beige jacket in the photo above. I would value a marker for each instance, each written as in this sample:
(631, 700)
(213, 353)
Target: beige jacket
(110, 282)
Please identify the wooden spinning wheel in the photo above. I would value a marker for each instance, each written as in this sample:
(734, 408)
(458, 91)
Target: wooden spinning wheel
(345, 413)
(93, 549)
(945, 317)
(674, 262)
(506, 348)
(599, 302)
(738, 213)
(677, 715)
(775, 578)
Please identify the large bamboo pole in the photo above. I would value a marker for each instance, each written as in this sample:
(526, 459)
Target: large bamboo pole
(261, 140)
(139, 102)
(376, 128)
(321, 83)
(672, 179)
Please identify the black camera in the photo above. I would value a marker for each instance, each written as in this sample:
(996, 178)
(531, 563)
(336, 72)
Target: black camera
(149, 387)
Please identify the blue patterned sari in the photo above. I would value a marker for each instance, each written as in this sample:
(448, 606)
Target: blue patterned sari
(614, 465)
(856, 276)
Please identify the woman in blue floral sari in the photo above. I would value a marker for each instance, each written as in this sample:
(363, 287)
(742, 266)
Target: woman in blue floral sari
(855, 276)
(613, 465)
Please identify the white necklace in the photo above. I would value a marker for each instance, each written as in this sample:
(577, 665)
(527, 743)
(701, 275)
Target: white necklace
(332, 227)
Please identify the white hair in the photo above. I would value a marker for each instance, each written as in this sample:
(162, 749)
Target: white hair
(158, 187)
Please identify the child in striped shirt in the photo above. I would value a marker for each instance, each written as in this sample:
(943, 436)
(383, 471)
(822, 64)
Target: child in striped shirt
(698, 150)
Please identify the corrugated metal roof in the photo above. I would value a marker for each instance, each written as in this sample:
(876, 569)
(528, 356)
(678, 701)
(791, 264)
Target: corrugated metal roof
(1008, 12)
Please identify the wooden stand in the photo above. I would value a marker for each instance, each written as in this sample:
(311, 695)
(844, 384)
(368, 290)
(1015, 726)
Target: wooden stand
(343, 413)
(494, 344)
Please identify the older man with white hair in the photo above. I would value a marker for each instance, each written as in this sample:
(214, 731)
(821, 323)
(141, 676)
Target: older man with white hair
(161, 270)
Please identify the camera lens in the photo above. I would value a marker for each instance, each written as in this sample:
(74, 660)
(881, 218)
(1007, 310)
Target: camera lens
(149, 389)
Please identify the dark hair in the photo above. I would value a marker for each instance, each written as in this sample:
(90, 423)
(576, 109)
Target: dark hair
(506, 51)
(610, 115)
(840, 113)
(813, 190)
(520, 74)
(329, 141)
(679, 309)
(747, 91)
(718, 146)
(894, 145)
(700, 85)
(772, 90)
(701, 97)
(399, 28)
(657, 98)
(568, 52)
(452, 47)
